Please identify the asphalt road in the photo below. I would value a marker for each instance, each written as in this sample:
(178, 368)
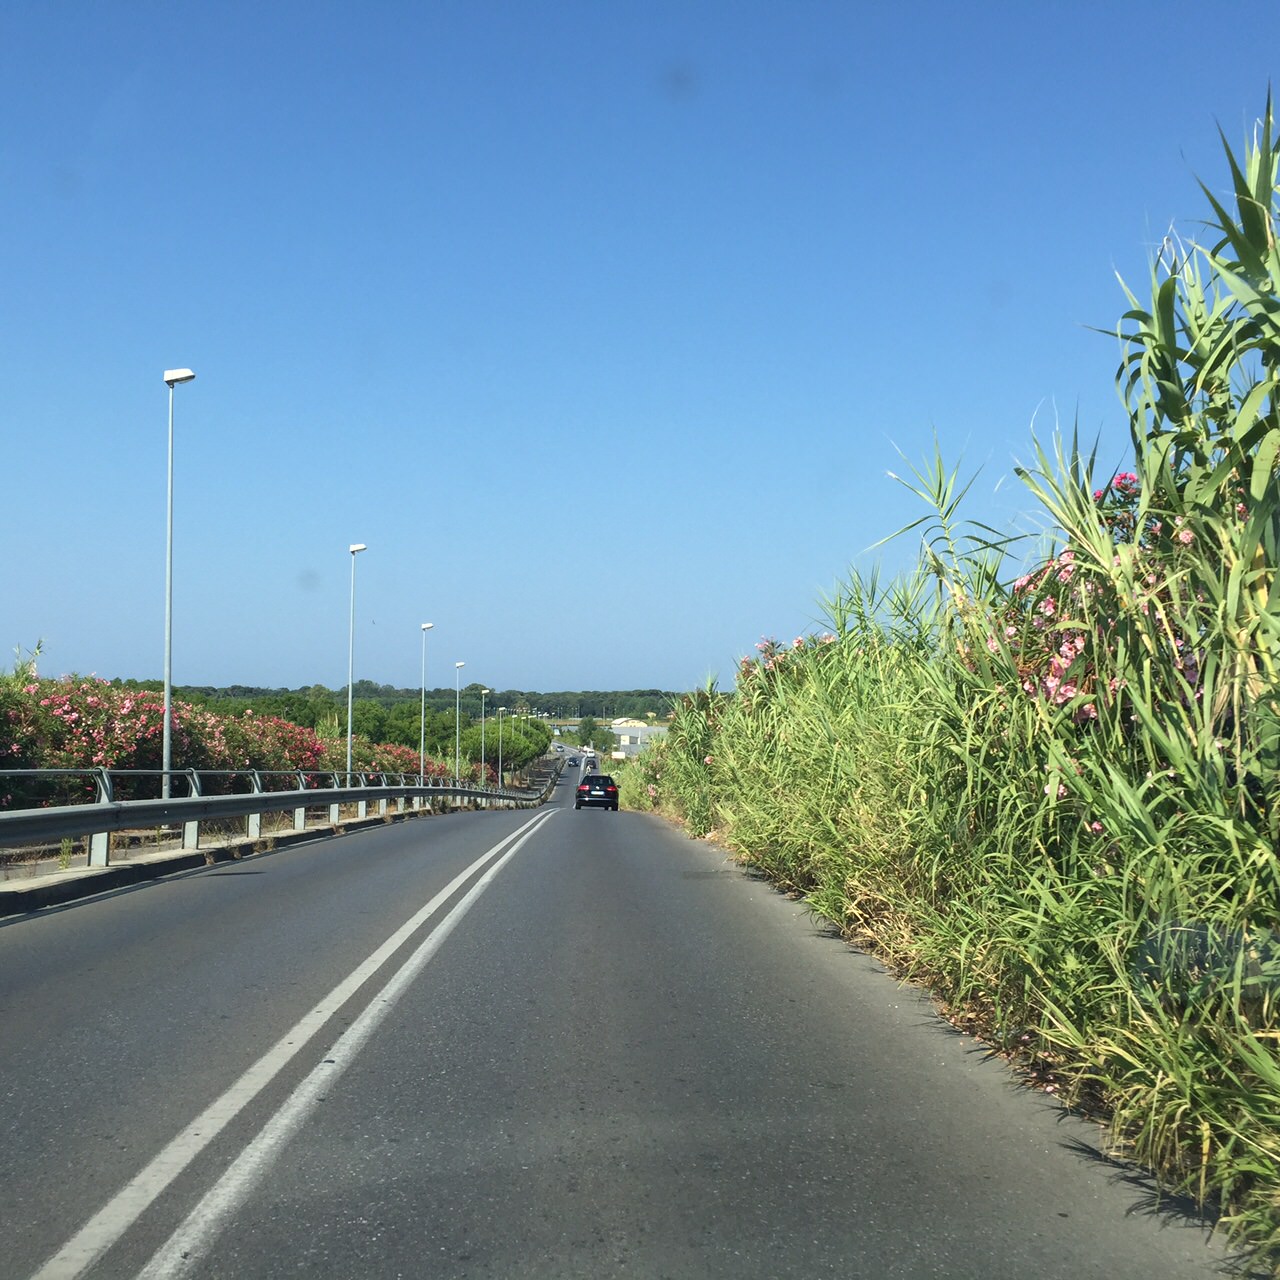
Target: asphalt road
(602, 1051)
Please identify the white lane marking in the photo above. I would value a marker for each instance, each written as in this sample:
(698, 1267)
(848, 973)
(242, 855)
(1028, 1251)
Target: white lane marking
(123, 1210)
(189, 1244)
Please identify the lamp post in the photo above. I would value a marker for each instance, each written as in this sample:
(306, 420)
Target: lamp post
(484, 763)
(457, 720)
(422, 732)
(171, 377)
(501, 711)
(355, 549)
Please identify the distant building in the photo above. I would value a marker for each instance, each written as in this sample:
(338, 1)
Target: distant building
(632, 735)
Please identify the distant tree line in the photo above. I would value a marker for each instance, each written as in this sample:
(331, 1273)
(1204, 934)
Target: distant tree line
(383, 713)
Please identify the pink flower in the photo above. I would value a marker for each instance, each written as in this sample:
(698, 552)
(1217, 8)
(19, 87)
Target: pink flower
(708, 759)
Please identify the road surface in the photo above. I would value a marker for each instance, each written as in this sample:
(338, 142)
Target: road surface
(558, 1043)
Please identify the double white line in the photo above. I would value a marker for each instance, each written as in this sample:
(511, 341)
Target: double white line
(188, 1244)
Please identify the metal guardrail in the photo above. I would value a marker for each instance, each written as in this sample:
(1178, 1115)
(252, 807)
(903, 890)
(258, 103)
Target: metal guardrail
(98, 819)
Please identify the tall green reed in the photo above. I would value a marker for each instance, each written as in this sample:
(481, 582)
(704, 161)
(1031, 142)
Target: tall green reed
(1055, 795)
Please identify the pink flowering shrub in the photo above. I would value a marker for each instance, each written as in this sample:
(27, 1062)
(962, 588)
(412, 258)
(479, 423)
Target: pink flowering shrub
(1064, 626)
(271, 744)
(85, 723)
(755, 676)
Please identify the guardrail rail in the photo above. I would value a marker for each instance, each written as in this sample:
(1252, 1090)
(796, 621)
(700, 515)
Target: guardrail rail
(296, 790)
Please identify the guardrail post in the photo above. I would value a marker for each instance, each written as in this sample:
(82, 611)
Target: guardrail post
(253, 821)
(300, 815)
(191, 830)
(362, 806)
(335, 810)
(100, 841)
(400, 799)
(382, 800)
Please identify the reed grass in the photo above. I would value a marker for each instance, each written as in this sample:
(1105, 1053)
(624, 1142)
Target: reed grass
(1054, 794)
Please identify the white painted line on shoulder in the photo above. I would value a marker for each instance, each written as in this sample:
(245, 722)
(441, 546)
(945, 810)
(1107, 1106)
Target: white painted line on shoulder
(119, 1214)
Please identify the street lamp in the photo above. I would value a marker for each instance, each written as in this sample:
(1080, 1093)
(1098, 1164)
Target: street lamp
(171, 377)
(422, 733)
(501, 711)
(484, 763)
(457, 720)
(355, 548)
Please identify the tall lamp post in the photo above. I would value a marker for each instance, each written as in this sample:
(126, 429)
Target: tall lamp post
(355, 549)
(422, 732)
(501, 710)
(484, 693)
(457, 720)
(171, 377)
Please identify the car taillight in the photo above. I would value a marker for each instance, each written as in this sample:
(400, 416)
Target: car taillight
(614, 789)
(584, 787)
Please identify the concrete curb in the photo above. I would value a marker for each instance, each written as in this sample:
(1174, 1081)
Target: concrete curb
(23, 896)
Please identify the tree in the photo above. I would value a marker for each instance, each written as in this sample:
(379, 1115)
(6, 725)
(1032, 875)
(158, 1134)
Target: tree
(370, 720)
(591, 733)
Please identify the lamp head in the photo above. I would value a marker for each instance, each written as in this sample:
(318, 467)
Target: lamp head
(426, 626)
(357, 546)
(174, 376)
(459, 664)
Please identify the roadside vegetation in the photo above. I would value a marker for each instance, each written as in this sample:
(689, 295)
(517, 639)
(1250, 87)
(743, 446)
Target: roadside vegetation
(83, 723)
(386, 713)
(1046, 782)
(589, 732)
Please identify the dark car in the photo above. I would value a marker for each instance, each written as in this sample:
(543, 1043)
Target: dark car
(597, 789)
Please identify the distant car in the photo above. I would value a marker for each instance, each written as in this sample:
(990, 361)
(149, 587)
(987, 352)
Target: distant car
(598, 790)
(573, 760)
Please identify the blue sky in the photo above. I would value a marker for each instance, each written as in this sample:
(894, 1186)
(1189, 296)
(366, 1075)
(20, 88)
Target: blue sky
(600, 323)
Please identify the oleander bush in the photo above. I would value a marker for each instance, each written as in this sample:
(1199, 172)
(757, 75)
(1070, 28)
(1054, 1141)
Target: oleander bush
(84, 723)
(1046, 780)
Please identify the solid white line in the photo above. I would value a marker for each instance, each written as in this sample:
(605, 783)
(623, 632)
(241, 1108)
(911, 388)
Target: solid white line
(190, 1243)
(119, 1214)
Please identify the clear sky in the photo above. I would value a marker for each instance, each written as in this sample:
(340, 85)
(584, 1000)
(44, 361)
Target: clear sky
(601, 323)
